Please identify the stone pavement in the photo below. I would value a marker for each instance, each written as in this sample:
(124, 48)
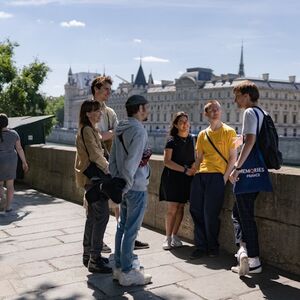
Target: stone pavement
(40, 258)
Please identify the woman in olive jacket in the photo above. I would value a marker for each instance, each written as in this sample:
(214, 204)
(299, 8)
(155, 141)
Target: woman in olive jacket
(89, 149)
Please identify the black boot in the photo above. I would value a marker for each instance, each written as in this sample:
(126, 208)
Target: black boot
(98, 266)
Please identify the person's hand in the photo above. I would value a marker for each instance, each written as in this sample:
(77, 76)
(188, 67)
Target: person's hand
(25, 167)
(234, 176)
(225, 178)
(108, 135)
(238, 141)
(190, 172)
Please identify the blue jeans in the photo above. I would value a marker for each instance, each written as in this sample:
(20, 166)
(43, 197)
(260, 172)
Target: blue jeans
(131, 217)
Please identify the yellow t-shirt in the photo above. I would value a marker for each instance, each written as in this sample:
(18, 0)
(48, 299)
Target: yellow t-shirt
(223, 139)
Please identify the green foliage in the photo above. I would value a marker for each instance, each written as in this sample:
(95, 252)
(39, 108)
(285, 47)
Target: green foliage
(19, 89)
(55, 106)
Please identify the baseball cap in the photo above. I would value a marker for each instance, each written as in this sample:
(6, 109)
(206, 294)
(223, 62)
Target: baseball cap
(136, 100)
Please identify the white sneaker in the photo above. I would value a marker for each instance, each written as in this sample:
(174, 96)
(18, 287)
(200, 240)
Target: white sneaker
(242, 257)
(134, 277)
(254, 265)
(167, 243)
(176, 242)
(116, 274)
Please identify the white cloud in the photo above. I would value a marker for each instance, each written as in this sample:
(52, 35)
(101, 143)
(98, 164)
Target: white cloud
(72, 23)
(138, 41)
(4, 15)
(153, 59)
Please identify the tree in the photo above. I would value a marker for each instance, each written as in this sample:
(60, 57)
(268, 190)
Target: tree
(19, 89)
(55, 106)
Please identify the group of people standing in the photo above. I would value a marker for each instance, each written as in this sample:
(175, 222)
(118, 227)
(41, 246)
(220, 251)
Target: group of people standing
(194, 172)
(199, 173)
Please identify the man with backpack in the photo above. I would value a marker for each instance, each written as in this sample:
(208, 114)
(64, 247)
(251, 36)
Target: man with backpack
(254, 124)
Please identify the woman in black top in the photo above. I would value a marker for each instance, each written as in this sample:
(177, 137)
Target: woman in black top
(177, 176)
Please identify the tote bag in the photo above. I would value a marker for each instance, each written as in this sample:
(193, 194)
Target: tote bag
(254, 175)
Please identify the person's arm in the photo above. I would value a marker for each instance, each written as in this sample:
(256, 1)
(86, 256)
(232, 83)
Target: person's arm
(246, 149)
(94, 149)
(108, 135)
(135, 152)
(231, 162)
(22, 156)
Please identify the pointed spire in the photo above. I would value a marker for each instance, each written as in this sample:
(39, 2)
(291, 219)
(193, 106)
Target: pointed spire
(103, 70)
(150, 79)
(140, 76)
(241, 67)
(70, 71)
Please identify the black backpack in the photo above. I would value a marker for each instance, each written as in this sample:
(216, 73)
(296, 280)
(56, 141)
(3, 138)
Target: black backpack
(268, 142)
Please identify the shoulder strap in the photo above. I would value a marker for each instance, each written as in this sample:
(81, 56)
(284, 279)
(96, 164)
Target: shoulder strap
(84, 141)
(215, 147)
(122, 141)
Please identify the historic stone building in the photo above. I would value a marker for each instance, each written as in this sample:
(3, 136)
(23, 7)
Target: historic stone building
(189, 93)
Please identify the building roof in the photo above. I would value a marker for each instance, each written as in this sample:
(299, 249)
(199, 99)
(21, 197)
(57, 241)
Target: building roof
(16, 122)
(140, 79)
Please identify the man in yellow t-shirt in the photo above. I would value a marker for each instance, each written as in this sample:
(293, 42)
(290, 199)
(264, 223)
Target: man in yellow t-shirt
(215, 158)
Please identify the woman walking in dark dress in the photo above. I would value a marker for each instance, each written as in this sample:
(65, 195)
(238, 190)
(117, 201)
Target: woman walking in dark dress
(177, 176)
(10, 145)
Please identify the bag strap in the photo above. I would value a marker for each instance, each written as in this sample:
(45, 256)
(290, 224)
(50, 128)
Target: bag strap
(122, 141)
(84, 141)
(215, 147)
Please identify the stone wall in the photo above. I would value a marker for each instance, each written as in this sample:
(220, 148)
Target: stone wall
(277, 214)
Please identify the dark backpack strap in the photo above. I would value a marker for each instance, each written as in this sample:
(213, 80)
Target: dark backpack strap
(122, 141)
(215, 147)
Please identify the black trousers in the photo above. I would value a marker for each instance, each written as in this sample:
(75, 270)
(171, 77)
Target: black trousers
(95, 225)
(244, 222)
(206, 201)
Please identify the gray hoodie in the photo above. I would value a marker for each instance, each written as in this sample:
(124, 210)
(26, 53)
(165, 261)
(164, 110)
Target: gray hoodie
(125, 165)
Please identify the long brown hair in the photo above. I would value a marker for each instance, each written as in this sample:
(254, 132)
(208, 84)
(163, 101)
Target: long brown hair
(3, 124)
(174, 129)
(87, 106)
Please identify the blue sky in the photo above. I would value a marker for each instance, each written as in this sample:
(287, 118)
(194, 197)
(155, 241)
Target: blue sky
(170, 35)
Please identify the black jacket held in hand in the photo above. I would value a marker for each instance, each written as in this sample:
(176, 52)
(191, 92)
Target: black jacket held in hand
(104, 188)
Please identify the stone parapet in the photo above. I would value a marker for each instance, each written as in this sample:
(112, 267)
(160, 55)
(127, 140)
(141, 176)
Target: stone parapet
(277, 213)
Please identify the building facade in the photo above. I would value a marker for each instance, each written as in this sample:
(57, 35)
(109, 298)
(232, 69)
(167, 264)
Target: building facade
(189, 93)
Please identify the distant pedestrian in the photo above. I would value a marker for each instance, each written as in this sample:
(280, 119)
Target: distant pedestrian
(179, 162)
(246, 236)
(215, 158)
(129, 160)
(89, 150)
(10, 145)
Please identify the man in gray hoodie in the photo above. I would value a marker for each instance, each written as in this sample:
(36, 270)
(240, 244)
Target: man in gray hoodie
(129, 160)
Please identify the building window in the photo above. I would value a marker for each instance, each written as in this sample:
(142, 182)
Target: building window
(219, 94)
(165, 117)
(285, 107)
(201, 117)
(284, 119)
(228, 94)
(295, 132)
(285, 96)
(294, 119)
(275, 118)
(285, 132)
(276, 95)
(228, 105)
(191, 117)
(236, 129)
(151, 117)
(267, 94)
(237, 117)
(228, 117)
(210, 95)
(158, 117)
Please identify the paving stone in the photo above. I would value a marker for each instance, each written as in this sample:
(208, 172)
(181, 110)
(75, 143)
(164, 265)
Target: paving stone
(3, 234)
(67, 262)
(44, 227)
(7, 271)
(75, 229)
(228, 284)
(50, 241)
(6, 289)
(173, 292)
(70, 238)
(289, 290)
(34, 269)
(50, 280)
(140, 295)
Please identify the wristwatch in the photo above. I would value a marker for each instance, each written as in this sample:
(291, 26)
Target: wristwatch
(185, 169)
(236, 168)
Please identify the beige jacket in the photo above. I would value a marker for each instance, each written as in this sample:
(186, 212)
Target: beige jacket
(95, 154)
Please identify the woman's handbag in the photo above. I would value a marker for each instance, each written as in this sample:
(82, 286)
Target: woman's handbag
(254, 175)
